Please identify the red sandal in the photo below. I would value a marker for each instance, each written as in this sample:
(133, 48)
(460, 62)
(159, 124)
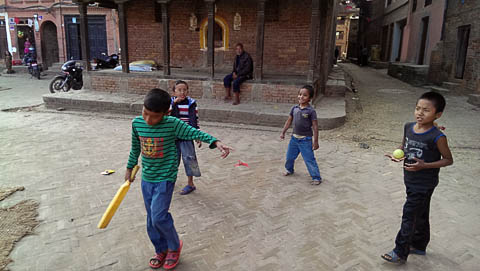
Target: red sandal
(173, 257)
(159, 258)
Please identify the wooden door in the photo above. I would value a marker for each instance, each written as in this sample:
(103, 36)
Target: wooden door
(423, 42)
(463, 36)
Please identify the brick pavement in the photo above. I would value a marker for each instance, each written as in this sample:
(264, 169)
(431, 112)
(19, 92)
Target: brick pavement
(239, 218)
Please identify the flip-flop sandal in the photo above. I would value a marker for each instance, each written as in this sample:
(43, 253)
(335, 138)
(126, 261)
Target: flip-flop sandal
(173, 257)
(187, 190)
(159, 258)
(316, 182)
(417, 251)
(392, 257)
(287, 173)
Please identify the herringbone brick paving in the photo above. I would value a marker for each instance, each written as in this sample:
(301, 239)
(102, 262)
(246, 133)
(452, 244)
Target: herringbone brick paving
(239, 218)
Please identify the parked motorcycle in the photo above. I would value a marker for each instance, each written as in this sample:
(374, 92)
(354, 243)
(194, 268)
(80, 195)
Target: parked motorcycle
(71, 77)
(30, 60)
(109, 62)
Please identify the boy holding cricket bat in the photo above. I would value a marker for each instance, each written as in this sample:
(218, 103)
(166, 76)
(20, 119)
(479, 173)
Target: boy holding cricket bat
(154, 135)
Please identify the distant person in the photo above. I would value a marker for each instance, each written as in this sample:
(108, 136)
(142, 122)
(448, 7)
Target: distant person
(242, 71)
(337, 53)
(364, 57)
(26, 46)
(426, 151)
(303, 140)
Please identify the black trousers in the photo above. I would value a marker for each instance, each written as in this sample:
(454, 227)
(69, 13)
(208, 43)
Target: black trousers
(415, 228)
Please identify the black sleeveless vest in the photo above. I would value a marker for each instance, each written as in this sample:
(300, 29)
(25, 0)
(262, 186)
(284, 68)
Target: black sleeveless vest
(422, 146)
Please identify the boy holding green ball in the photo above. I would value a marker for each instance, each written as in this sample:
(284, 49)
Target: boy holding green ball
(426, 151)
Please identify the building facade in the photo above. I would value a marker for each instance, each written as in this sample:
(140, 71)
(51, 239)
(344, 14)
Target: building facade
(393, 44)
(456, 58)
(3, 30)
(197, 38)
(423, 30)
(52, 28)
(346, 14)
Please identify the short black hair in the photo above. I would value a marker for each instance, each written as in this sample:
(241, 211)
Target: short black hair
(179, 82)
(436, 98)
(311, 92)
(239, 44)
(157, 100)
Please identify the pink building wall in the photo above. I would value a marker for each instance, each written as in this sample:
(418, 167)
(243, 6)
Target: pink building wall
(18, 8)
(413, 30)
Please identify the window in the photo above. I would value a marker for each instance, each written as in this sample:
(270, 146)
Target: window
(340, 20)
(220, 36)
(414, 5)
(389, 2)
(428, 2)
(217, 36)
(340, 35)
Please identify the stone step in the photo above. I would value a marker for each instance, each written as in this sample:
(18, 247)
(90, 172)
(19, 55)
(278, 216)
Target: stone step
(474, 99)
(437, 88)
(451, 85)
(330, 110)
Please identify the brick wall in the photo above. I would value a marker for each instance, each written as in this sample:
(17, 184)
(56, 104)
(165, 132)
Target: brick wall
(459, 14)
(286, 46)
(144, 34)
(141, 84)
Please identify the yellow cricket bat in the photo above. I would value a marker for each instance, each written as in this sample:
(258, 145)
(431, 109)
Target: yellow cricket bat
(113, 206)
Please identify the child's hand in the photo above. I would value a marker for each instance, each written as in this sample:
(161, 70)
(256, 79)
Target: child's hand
(394, 159)
(199, 143)
(223, 148)
(419, 165)
(282, 136)
(315, 146)
(128, 175)
(178, 100)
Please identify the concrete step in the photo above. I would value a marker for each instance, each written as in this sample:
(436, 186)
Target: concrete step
(451, 85)
(330, 110)
(437, 89)
(474, 99)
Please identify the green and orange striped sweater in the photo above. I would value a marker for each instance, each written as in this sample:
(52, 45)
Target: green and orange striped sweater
(157, 145)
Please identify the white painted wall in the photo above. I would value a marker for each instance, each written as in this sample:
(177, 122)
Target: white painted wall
(7, 28)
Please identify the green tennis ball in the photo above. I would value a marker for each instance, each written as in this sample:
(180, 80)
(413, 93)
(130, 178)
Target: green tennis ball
(398, 154)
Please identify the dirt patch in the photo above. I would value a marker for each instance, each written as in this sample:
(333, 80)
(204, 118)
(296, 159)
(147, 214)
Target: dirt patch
(5, 192)
(15, 222)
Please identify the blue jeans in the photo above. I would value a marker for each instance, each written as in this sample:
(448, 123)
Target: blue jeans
(160, 229)
(186, 151)
(227, 82)
(303, 146)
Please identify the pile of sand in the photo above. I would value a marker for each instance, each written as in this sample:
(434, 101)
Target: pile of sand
(15, 222)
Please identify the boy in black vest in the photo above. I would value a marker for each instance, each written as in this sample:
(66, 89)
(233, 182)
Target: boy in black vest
(426, 151)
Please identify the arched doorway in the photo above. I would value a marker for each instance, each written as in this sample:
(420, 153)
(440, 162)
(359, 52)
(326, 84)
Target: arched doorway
(49, 44)
(221, 34)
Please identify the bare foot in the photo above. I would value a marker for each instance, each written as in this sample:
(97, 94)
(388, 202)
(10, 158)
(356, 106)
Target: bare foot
(286, 173)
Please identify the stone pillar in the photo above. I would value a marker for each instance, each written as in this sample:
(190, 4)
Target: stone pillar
(260, 39)
(122, 30)
(313, 39)
(84, 42)
(165, 36)
(327, 38)
(210, 37)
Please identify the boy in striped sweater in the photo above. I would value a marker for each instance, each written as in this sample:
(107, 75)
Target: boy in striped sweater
(185, 108)
(153, 135)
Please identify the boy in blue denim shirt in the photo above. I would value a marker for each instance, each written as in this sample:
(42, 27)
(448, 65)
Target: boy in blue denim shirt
(304, 118)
